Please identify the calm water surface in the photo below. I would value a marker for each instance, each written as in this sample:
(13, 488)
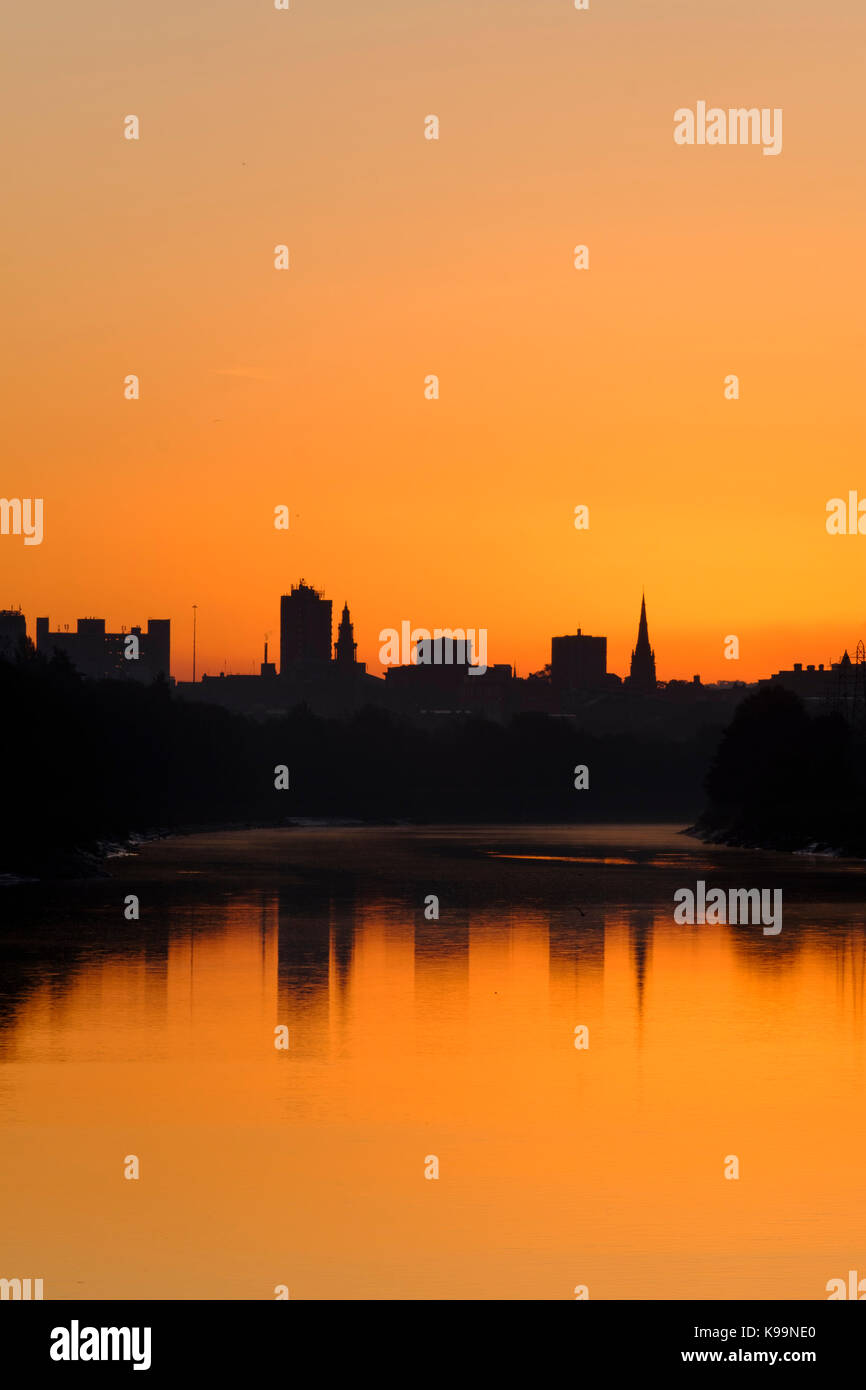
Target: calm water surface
(411, 1038)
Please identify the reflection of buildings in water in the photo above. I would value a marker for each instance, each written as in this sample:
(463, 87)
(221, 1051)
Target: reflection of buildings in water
(640, 930)
(342, 942)
(576, 944)
(304, 944)
(441, 984)
(759, 952)
(850, 952)
(53, 960)
(607, 945)
(221, 957)
(576, 955)
(337, 968)
(315, 949)
(443, 943)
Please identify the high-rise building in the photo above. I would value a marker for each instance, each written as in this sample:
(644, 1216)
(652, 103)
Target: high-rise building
(642, 675)
(111, 655)
(13, 631)
(305, 626)
(345, 647)
(578, 662)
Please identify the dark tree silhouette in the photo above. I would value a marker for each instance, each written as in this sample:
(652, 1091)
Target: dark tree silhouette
(783, 779)
(89, 761)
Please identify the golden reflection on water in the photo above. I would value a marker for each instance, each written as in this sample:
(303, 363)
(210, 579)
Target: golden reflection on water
(454, 1038)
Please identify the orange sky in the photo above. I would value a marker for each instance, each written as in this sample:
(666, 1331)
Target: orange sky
(454, 257)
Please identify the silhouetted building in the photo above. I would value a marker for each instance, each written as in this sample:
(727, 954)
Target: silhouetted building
(810, 680)
(305, 626)
(443, 681)
(267, 668)
(13, 632)
(578, 662)
(345, 647)
(642, 675)
(444, 651)
(111, 655)
(332, 685)
(840, 686)
(261, 696)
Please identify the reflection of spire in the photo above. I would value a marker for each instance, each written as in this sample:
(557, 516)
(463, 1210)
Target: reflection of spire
(342, 944)
(640, 929)
(643, 660)
(345, 646)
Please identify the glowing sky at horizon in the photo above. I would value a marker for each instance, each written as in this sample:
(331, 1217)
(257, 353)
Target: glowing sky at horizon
(411, 257)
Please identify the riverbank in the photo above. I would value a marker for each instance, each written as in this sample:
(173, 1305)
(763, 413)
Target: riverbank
(737, 836)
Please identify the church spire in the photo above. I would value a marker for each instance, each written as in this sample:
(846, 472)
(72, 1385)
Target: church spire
(345, 646)
(643, 659)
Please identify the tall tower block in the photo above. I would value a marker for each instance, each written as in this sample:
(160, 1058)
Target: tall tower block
(305, 626)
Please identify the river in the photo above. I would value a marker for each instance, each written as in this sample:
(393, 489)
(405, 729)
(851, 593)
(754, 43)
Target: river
(412, 1039)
